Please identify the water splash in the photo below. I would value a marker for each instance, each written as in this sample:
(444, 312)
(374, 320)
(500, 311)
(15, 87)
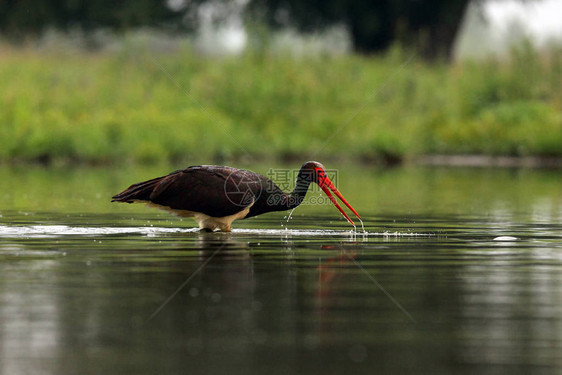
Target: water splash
(45, 231)
(42, 231)
(362, 226)
(290, 214)
(288, 217)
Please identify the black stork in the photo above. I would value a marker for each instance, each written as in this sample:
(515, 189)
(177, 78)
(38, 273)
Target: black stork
(216, 196)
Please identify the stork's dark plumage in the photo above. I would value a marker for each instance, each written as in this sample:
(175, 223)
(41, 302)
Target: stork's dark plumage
(216, 196)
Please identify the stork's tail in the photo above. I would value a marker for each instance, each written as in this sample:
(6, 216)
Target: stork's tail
(138, 192)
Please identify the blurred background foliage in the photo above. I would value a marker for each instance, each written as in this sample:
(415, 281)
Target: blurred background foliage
(373, 25)
(109, 94)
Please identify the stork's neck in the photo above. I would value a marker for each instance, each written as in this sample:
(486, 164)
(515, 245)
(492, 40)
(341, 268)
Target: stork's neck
(295, 198)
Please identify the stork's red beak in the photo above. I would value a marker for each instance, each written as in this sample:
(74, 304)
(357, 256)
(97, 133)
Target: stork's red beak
(326, 185)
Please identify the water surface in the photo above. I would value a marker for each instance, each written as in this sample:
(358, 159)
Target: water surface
(460, 271)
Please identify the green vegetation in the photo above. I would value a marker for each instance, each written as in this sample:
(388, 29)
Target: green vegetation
(134, 106)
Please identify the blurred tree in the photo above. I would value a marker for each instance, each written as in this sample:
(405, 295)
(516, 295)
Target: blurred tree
(21, 17)
(429, 25)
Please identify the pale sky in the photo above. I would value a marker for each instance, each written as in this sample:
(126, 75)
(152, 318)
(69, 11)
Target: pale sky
(542, 18)
(505, 23)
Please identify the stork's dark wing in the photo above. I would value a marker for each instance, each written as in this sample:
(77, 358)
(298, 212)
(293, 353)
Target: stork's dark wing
(211, 190)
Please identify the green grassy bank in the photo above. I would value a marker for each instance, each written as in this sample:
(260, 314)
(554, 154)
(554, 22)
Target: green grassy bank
(134, 106)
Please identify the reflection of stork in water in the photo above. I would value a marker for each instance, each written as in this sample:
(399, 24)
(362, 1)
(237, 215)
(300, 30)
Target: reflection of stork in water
(331, 267)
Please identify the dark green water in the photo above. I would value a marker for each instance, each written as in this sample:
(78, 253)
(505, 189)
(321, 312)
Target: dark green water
(435, 286)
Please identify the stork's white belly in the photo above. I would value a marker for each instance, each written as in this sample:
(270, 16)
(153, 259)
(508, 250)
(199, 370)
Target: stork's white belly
(205, 221)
